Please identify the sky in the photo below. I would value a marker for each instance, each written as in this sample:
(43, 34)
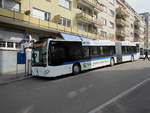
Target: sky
(140, 5)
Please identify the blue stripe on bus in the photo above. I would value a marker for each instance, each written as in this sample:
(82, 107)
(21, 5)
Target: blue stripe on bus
(89, 60)
(128, 54)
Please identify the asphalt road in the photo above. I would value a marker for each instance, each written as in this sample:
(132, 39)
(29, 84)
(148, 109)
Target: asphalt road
(73, 94)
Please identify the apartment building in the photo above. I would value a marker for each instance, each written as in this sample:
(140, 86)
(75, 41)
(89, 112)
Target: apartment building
(129, 25)
(108, 17)
(27, 20)
(146, 17)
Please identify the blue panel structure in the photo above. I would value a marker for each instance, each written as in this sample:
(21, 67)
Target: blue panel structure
(21, 58)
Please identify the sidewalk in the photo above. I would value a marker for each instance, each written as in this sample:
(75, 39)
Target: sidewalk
(9, 78)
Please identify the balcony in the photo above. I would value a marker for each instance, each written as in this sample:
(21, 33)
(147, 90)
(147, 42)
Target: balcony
(137, 39)
(88, 19)
(137, 23)
(137, 31)
(99, 7)
(146, 37)
(88, 3)
(92, 4)
(122, 11)
(27, 21)
(122, 22)
(121, 33)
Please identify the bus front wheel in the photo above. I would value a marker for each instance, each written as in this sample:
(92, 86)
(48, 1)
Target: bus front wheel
(76, 69)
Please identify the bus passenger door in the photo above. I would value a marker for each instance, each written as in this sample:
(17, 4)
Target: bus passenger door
(118, 52)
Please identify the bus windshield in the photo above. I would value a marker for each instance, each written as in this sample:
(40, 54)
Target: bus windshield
(39, 53)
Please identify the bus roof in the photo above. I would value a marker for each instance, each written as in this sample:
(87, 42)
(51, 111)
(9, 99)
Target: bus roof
(98, 42)
(127, 43)
(89, 42)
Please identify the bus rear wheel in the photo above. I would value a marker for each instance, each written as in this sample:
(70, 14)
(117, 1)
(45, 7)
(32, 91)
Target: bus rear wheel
(112, 62)
(76, 69)
(132, 58)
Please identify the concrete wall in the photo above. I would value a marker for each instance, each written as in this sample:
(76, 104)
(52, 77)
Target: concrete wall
(8, 62)
(8, 56)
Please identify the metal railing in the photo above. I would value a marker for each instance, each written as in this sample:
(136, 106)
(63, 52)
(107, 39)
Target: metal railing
(92, 3)
(122, 10)
(89, 18)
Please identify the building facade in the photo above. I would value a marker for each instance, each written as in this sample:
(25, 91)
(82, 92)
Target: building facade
(108, 18)
(130, 26)
(96, 19)
(146, 17)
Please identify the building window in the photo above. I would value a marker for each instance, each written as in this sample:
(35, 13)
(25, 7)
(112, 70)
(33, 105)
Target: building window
(103, 33)
(18, 45)
(80, 9)
(0, 3)
(11, 5)
(65, 3)
(81, 27)
(48, 0)
(94, 30)
(132, 26)
(104, 8)
(47, 16)
(41, 14)
(95, 15)
(111, 35)
(2, 44)
(10, 44)
(65, 22)
(111, 13)
(111, 25)
(104, 21)
(112, 2)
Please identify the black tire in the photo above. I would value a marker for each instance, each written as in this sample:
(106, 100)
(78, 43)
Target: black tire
(76, 69)
(132, 58)
(112, 62)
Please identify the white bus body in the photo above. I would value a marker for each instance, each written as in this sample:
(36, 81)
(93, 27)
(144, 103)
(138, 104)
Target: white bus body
(92, 54)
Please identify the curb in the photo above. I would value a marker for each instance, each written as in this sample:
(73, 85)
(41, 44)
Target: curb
(18, 79)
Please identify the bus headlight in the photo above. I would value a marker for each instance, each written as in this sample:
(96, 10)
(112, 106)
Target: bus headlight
(46, 71)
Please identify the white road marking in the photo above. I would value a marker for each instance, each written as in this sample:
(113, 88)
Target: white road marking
(79, 91)
(29, 109)
(96, 110)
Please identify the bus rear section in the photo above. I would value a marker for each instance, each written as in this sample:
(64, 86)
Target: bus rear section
(127, 51)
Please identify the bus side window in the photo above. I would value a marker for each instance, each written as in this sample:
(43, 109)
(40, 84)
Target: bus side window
(93, 52)
(86, 52)
(101, 49)
(49, 57)
(74, 53)
(58, 55)
(112, 50)
(124, 50)
(106, 51)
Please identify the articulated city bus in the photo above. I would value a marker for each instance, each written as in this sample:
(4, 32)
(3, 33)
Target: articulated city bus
(51, 58)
